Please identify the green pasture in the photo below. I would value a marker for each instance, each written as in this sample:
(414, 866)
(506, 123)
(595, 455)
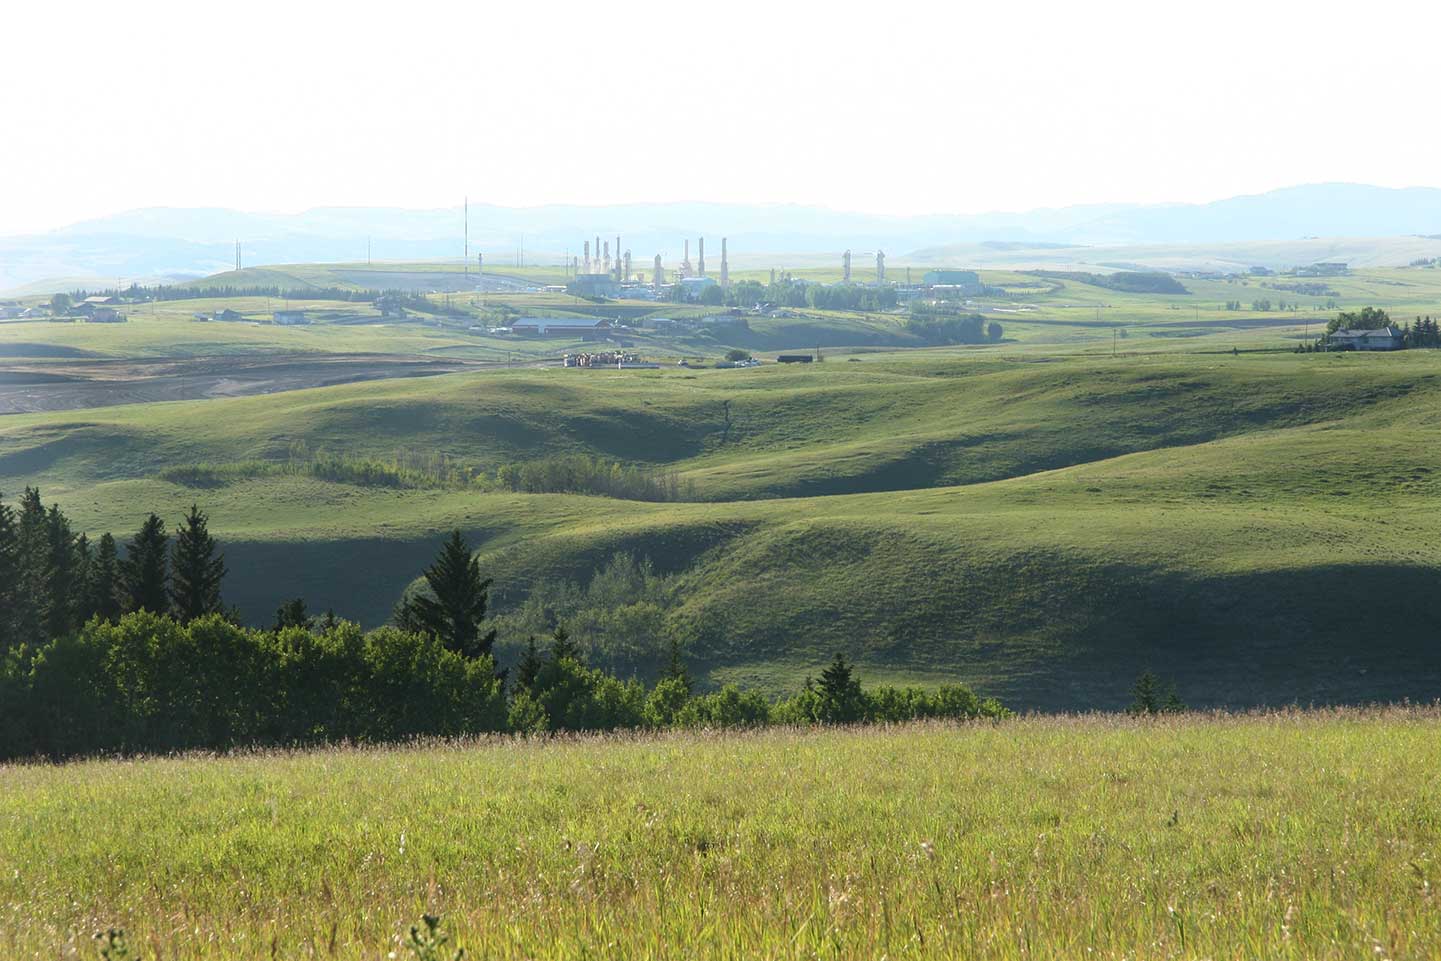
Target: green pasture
(1044, 527)
(1298, 835)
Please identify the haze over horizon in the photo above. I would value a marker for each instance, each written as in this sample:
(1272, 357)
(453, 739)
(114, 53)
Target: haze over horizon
(959, 111)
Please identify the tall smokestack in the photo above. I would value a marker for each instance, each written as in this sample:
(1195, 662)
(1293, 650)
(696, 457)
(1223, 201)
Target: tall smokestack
(700, 261)
(846, 267)
(880, 266)
(587, 256)
(725, 267)
(658, 277)
(625, 274)
(618, 262)
(685, 263)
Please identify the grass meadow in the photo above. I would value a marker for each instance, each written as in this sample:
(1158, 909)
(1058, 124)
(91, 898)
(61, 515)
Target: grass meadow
(1306, 835)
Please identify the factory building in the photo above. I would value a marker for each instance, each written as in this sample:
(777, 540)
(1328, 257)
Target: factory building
(594, 286)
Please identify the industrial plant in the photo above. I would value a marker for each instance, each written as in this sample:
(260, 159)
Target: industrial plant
(605, 272)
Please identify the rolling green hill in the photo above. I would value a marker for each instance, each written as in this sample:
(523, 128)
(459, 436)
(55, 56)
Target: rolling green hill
(1045, 527)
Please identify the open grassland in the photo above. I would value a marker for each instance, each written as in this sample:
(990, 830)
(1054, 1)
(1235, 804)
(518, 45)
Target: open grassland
(1301, 835)
(1039, 315)
(1039, 518)
(1042, 529)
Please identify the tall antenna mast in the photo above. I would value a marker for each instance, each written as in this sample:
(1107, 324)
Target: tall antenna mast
(237, 255)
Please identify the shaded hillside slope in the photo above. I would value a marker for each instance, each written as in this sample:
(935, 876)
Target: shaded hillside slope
(1260, 528)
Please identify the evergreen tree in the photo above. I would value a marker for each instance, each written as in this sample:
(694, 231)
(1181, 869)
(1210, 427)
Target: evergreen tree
(105, 587)
(529, 667)
(563, 646)
(455, 604)
(675, 668)
(9, 576)
(198, 568)
(84, 573)
(1173, 703)
(840, 692)
(32, 594)
(292, 614)
(147, 568)
(63, 587)
(1146, 695)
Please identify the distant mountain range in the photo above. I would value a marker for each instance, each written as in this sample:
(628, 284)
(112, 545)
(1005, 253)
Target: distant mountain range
(181, 243)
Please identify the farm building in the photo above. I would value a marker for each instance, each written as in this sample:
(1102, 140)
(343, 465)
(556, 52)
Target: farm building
(794, 359)
(586, 328)
(100, 300)
(107, 315)
(1387, 338)
(291, 318)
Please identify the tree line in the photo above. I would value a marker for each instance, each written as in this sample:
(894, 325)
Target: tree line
(940, 324)
(53, 580)
(140, 655)
(166, 291)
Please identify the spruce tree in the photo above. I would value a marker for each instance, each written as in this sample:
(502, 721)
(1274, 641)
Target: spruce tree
(84, 574)
(197, 568)
(563, 646)
(529, 667)
(147, 568)
(9, 576)
(675, 666)
(1146, 695)
(840, 693)
(63, 586)
(455, 604)
(32, 594)
(292, 614)
(106, 588)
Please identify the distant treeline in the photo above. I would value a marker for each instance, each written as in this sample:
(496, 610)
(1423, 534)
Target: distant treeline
(1127, 281)
(942, 324)
(159, 665)
(430, 470)
(136, 292)
(790, 293)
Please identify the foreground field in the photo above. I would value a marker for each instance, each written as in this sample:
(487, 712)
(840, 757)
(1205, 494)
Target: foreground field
(1312, 835)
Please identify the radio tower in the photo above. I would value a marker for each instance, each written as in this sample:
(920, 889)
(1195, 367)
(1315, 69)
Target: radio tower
(237, 255)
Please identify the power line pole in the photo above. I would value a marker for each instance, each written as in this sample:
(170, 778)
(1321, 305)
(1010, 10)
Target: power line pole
(467, 237)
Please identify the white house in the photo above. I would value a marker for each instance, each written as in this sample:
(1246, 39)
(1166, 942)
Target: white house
(1387, 338)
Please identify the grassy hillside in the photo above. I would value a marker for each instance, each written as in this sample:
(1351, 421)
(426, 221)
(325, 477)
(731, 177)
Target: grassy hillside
(1045, 529)
(1284, 836)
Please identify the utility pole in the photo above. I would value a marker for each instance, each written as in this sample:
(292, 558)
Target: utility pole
(466, 258)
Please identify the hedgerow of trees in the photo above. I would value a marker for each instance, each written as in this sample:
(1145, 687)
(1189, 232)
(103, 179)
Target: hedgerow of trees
(103, 654)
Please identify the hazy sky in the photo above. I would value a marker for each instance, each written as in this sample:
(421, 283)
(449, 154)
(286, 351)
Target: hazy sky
(892, 108)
